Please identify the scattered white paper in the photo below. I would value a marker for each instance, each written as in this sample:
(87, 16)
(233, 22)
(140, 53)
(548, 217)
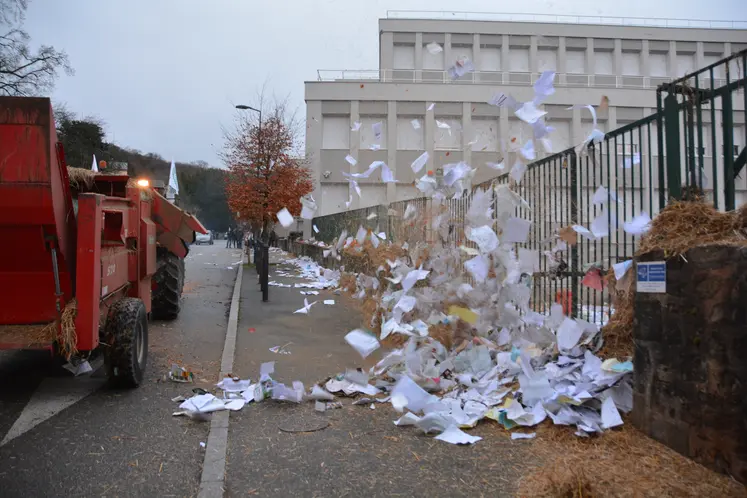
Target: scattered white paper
(442, 125)
(600, 227)
(622, 268)
(478, 267)
(543, 87)
(350, 159)
(610, 415)
(362, 341)
(529, 113)
(329, 302)
(386, 174)
(516, 230)
(316, 229)
(455, 435)
(602, 195)
(583, 231)
(431, 106)
(306, 307)
(285, 218)
(527, 151)
(568, 334)
(376, 127)
(484, 237)
(518, 170)
(356, 126)
(434, 48)
(417, 398)
(521, 435)
(503, 100)
(638, 225)
(415, 124)
(496, 166)
(418, 163)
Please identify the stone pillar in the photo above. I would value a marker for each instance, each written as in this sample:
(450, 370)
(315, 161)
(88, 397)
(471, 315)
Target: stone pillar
(690, 381)
(391, 148)
(618, 59)
(672, 59)
(448, 56)
(476, 52)
(645, 61)
(468, 134)
(533, 63)
(418, 56)
(505, 58)
(355, 144)
(590, 67)
(562, 66)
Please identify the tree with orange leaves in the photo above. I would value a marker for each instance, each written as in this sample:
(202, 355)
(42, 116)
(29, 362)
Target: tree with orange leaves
(265, 175)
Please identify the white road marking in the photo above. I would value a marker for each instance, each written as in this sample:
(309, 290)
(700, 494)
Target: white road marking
(51, 397)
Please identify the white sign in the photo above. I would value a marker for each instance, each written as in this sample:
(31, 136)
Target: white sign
(651, 277)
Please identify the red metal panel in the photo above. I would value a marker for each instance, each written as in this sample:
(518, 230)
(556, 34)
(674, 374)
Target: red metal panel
(88, 274)
(115, 269)
(35, 213)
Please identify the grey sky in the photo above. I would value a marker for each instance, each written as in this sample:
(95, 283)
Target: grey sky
(164, 74)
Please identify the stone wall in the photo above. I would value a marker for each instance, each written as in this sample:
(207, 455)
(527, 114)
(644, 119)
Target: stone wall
(690, 388)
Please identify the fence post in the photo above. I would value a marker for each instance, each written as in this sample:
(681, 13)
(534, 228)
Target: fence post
(264, 277)
(727, 129)
(574, 247)
(672, 129)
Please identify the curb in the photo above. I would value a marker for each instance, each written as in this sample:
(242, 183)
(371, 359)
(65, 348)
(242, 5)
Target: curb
(214, 465)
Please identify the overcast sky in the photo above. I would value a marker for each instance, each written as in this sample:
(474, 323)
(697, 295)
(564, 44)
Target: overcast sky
(164, 74)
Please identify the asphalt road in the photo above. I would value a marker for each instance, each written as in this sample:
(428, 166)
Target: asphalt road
(65, 436)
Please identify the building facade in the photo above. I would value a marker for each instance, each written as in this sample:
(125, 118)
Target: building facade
(622, 63)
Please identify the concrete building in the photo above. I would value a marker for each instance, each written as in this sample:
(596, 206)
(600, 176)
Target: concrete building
(605, 57)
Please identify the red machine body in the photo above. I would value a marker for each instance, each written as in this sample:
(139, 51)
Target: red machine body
(52, 251)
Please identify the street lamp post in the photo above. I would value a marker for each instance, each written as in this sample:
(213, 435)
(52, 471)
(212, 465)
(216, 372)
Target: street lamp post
(263, 268)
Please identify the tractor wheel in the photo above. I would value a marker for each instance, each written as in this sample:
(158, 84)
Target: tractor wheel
(126, 342)
(168, 284)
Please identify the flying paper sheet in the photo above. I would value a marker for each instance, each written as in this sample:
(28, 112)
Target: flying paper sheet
(583, 231)
(529, 113)
(516, 230)
(434, 48)
(496, 166)
(412, 278)
(600, 227)
(543, 86)
(621, 268)
(415, 124)
(541, 130)
(356, 126)
(353, 161)
(431, 106)
(484, 237)
(442, 125)
(308, 208)
(362, 341)
(602, 195)
(630, 161)
(306, 307)
(285, 218)
(460, 68)
(518, 170)
(386, 174)
(418, 163)
(638, 225)
(528, 151)
(376, 127)
(478, 267)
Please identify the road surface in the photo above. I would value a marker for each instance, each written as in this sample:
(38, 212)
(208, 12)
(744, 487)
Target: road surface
(65, 436)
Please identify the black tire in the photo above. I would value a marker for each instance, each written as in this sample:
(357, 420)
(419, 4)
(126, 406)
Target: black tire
(126, 343)
(169, 283)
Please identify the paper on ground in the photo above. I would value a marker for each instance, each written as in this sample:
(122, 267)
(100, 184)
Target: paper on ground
(362, 342)
(285, 218)
(417, 397)
(306, 307)
(329, 302)
(521, 435)
(455, 435)
(568, 334)
(610, 415)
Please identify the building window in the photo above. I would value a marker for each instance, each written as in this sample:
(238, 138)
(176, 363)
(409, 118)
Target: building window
(685, 64)
(448, 138)
(409, 138)
(631, 64)
(603, 63)
(575, 61)
(547, 59)
(628, 150)
(490, 58)
(484, 135)
(368, 139)
(519, 60)
(658, 63)
(336, 132)
(404, 57)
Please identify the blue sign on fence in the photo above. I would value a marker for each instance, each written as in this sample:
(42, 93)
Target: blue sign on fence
(652, 277)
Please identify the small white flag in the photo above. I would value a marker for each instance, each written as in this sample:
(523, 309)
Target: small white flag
(173, 181)
(95, 166)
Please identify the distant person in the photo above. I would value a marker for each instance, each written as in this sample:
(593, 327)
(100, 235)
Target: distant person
(239, 238)
(273, 238)
(229, 238)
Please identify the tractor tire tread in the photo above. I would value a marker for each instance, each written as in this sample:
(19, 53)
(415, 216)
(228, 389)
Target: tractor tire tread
(169, 279)
(120, 354)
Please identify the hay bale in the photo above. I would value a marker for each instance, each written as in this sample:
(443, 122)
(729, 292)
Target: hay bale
(683, 225)
(80, 178)
(680, 226)
(62, 331)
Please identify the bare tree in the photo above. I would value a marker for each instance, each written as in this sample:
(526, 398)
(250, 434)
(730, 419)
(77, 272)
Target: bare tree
(25, 72)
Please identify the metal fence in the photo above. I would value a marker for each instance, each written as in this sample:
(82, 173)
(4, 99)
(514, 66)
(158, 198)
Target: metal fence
(634, 169)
